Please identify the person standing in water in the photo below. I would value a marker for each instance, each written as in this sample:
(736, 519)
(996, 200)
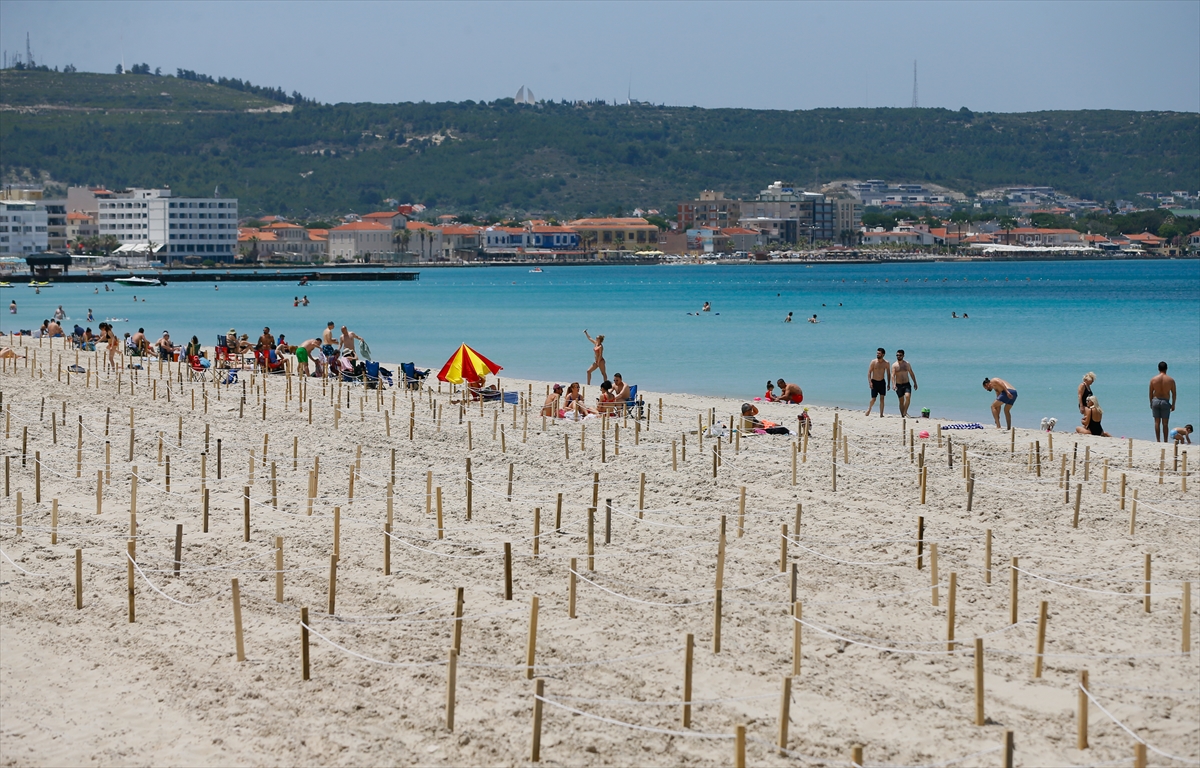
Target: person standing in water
(904, 381)
(598, 349)
(1162, 395)
(1005, 396)
(879, 378)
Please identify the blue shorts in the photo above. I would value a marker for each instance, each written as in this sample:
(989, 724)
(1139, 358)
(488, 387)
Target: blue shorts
(1008, 397)
(1160, 408)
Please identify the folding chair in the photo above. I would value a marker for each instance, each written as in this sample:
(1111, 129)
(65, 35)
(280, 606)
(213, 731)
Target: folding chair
(196, 371)
(221, 353)
(413, 379)
(634, 405)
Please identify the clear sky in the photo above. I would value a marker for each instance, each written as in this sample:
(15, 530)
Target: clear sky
(988, 56)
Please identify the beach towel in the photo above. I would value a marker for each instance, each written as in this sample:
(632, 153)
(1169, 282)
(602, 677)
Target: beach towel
(963, 426)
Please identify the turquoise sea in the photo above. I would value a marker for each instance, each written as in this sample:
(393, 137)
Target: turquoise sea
(1040, 325)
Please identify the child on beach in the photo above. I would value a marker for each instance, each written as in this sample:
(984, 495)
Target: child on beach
(769, 396)
(1182, 434)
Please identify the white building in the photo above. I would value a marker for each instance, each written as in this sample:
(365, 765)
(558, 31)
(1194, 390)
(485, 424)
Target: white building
(22, 227)
(175, 227)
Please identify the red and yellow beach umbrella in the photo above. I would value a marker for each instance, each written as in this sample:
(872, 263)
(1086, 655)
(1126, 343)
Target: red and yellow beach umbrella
(466, 364)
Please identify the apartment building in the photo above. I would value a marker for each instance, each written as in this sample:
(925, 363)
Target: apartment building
(607, 233)
(847, 216)
(792, 214)
(361, 241)
(23, 229)
(713, 209)
(81, 226)
(173, 228)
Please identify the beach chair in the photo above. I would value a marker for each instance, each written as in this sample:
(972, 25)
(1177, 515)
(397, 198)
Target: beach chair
(196, 371)
(371, 375)
(267, 361)
(221, 357)
(348, 372)
(634, 405)
(413, 379)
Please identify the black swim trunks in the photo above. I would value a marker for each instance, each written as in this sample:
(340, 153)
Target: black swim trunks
(878, 387)
(903, 389)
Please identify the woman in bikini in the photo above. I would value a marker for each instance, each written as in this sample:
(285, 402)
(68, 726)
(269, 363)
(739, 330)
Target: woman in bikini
(573, 402)
(114, 344)
(598, 363)
(1091, 419)
(1085, 390)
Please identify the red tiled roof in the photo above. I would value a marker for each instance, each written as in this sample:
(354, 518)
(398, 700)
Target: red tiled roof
(76, 216)
(547, 230)
(282, 225)
(361, 226)
(418, 225)
(460, 229)
(389, 215)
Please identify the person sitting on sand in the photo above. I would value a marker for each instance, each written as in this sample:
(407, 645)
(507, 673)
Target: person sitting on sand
(1005, 396)
(749, 420)
(53, 329)
(620, 393)
(573, 402)
(605, 403)
(1182, 434)
(166, 347)
(769, 395)
(550, 407)
(1091, 419)
(790, 393)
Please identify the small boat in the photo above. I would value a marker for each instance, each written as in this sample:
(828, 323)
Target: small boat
(5, 285)
(36, 284)
(135, 281)
(536, 270)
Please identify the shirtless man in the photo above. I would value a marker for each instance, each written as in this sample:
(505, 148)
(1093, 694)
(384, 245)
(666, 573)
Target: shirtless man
(902, 372)
(346, 342)
(879, 378)
(790, 393)
(327, 340)
(304, 351)
(138, 342)
(1162, 395)
(620, 391)
(550, 407)
(1005, 396)
(54, 329)
(266, 342)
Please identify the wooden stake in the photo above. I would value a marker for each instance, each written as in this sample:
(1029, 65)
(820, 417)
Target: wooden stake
(1139, 755)
(237, 621)
(129, 549)
(688, 652)
(531, 646)
(979, 718)
(783, 542)
(539, 690)
(1078, 495)
(797, 614)
(571, 591)
(1081, 719)
(439, 512)
(1041, 637)
(641, 493)
(246, 514)
(508, 570)
(470, 488)
(333, 564)
(856, 756)
(1133, 512)
(987, 557)
(458, 615)
(1012, 593)
(1122, 490)
(674, 456)
(304, 644)
(54, 521)
(920, 542)
(717, 622)
(1146, 586)
(739, 746)
(591, 538)
(205, 511)
(99, 491)
(1104, 478)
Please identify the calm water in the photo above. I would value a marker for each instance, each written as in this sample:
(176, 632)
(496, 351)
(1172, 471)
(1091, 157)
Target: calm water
(1038, 325)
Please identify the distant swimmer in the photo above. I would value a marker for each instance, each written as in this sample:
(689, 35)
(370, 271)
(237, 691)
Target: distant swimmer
(304, 301)
(1005, 396)
(12, 308)
(295, 301)
(954, 315)
(904, 381)
(1162, 393)
(788, 319)
(879, 378)
(964, 315)
(706, 308)
(813, 319)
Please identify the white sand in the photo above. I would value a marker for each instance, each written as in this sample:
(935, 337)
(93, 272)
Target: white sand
(88, 687)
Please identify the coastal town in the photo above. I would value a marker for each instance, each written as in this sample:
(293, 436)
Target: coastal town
(873, 220)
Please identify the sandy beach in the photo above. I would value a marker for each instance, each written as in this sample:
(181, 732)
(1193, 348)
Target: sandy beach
(875, 565)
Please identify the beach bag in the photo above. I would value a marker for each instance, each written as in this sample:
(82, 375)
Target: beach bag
(76, 369)
(230, 378)
(777, 431)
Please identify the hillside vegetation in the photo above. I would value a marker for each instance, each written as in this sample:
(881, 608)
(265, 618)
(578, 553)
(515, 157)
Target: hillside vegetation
(555, 158)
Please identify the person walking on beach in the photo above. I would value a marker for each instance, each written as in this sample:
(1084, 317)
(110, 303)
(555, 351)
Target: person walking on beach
(598, 349)
(1005, 396)
(1085, 390)
(904, 381)
(879, 378)
(1162, 395)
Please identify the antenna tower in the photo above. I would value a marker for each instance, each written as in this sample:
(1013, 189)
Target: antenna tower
(916, 103)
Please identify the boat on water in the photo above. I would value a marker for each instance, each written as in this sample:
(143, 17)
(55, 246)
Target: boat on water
(36, 284)
(135, 281)
(536, 270)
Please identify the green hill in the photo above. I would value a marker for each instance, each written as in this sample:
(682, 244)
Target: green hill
(555, 158)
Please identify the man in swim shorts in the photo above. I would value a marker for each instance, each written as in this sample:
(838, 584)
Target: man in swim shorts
(790, 393)
(1005, 396)
(1162, 393)
(304, 351)
(904, 381)
(327, 344)
(879, 378)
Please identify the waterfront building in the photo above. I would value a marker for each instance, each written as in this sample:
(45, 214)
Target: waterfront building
(713, 209)
(22, 227)
(361, 241)
(847, 217)
(80, 226)
(807, 216)
(173, 228)
(614, 233)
